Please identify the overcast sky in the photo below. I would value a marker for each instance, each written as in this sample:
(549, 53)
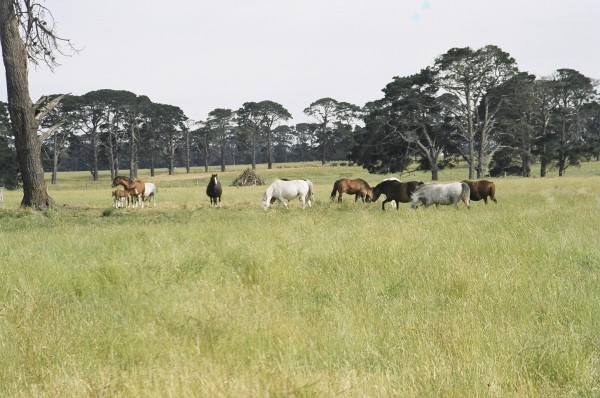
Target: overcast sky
(201, 55)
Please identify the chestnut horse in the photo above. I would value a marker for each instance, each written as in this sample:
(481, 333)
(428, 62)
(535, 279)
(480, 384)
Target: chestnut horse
(395, 190)
(482, 189)
(358, 187)
(128, 183)
(123, 197)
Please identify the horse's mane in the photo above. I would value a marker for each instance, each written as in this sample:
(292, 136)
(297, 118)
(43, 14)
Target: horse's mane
(127, 178)
(364, 182)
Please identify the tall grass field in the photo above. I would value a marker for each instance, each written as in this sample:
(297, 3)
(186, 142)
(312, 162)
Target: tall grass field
(185, 300)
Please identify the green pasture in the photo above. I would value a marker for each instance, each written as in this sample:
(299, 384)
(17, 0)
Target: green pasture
(335, 300)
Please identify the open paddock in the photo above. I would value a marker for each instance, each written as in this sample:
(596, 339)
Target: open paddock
(336, 299)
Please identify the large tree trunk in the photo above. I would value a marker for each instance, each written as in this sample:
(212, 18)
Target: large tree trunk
(222, 158)
(254, 153)
(54, 160)
(269, 150)
(22, 111)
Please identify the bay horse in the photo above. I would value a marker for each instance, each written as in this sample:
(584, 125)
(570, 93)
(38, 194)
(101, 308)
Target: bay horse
(284, 190)
(128, 183)
(482, 189)
(441, 194)
(358, 187)
(214, 190)
(395, 191)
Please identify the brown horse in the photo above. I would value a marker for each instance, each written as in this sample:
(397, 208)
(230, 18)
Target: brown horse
(128, 183)
(124, 195)
(482, 189)
(358, 187)
(396, 191)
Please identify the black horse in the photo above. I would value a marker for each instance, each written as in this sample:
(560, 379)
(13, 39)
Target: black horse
(214, 190)
(394, 190)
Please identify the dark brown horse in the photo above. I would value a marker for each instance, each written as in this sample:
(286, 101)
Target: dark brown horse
(214, 190)
(482, 189)
(358, 187)
(128, 183)
(396, 191)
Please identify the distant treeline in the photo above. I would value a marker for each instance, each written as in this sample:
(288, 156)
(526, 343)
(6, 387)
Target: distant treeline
(469, 105)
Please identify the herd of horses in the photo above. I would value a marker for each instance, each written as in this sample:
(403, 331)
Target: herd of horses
(135, 192)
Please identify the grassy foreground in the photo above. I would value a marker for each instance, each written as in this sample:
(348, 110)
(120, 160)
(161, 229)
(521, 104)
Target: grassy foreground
(185, 300)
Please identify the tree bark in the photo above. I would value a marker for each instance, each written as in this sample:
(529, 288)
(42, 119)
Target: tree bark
(22, 111)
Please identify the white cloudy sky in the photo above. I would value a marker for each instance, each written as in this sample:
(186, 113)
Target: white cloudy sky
(206, 54)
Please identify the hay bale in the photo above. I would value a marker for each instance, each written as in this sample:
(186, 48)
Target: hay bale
(247, 178)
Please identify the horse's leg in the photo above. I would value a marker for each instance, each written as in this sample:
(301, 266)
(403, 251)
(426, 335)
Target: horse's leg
(383, 203)
(397, 204)
(284, 201)
(340, 197)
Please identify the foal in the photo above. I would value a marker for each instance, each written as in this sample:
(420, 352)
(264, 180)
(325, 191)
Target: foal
(126, 196)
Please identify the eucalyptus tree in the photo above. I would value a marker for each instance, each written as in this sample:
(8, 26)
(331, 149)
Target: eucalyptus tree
(28, 34)
(469, 75)
(169, 123)
(220, 123)
(100, 126)
(517, 122)
(572, 92)
(304, 140)
(249, 119)
(543, 108)
(271, 114)
(135, 113)
(56, 147)
(257, 121)
(282, 142)
(188, 143)
(378, 147)
(202, 140)
(416, 117)
(332, 118)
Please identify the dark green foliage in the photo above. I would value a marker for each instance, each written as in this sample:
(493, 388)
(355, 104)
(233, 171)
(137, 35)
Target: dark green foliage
(8, 158)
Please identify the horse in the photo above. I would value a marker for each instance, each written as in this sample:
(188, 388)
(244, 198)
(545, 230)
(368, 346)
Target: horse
(128, 183)
(441, 194)
(358, 188)
(395, 191)
(482, 189)
(123, 195)
(149, 192)
(286, 190)
(214, 190)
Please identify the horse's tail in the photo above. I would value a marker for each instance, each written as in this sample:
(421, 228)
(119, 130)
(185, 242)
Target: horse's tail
(336, 184)
(493, 192)
(310, 193)
(466, 193)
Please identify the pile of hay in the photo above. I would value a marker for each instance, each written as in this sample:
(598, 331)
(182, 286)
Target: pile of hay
(247, 178)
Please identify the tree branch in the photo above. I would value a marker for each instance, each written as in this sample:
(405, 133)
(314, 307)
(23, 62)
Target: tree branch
(50, 131)
(42, 107)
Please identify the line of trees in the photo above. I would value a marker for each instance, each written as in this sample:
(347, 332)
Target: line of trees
(470, 104)
(476, 106)
(116, 130)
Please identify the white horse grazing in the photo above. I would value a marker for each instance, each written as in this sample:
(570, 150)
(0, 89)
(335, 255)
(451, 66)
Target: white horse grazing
(441, 194)
(283, 190)
(149, 192)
